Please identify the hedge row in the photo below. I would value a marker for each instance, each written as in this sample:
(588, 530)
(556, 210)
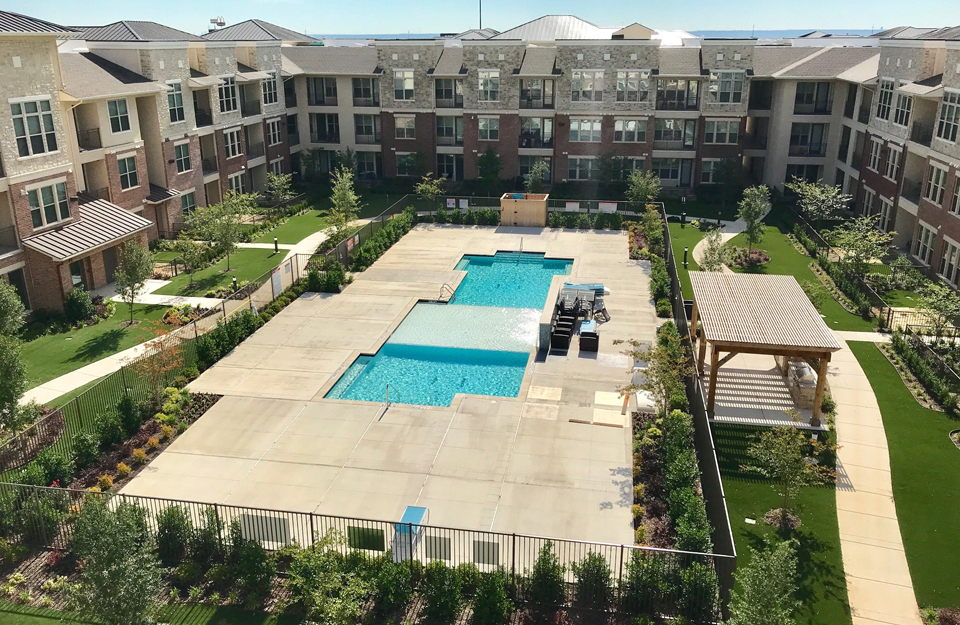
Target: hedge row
(373, 248)
(924, 367)
(847, 285)
(586, 221)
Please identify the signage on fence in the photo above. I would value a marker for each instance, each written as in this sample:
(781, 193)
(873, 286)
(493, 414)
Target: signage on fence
(465, 203)
(451, 202)
(350, 244)
(608, 207)
(276, 282)
(573, 206)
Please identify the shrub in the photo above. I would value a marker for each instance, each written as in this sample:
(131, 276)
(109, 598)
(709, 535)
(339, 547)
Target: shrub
(594, 582)
(664, 309)
(57, 467)
(314, 281)
(558, 220)
(469, 578)
(174, 532)
(123, 469)
(334, 278)
(441, 591)
(39, 518)
(78, 306)
(546, 586)
(205, 542)
(659, 279)
(640, 535)
(392, 587)
(638, 511)
(638, 492)
(645, 582)
(139, 455)
(699, 593)
(251, 566)
(492, 605)
(188, 574)
(166, 431)
(583, 221)
(153, 442)
(131, 417)
(110, 431)
(105, 482)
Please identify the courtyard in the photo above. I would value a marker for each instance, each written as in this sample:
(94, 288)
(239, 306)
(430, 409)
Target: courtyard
(554, 461)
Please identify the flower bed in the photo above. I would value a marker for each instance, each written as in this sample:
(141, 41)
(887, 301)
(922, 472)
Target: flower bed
(742, 257)
(920, 374)
(177, 316)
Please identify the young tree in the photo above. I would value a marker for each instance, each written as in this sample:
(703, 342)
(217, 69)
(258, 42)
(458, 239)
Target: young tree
(818, 200)
(347, 159)
(767, 587)
(310, 161)
(668, 364)
(134, 267)
(344, 203)
(14, 375)
(860, 242)
(12, 311)
(278, 187)
(220, 224)
(753, 206)
(121, 576)
(728, 175)
(788, 456)
(193, 254)
(714, 252)
(941, 306)
(429, 188)
(489, 165)
(610, 168)
(538, 173)
(163, 357)
(643, 187)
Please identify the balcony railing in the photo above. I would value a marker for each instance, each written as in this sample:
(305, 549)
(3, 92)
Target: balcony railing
(324, 137)
(753, 142)
(535, 141)
(370, 101)
(911, 190)
(89, 139)
(255, 150)
(761, 102)
(456, 102)
(209, 165)
(93, 194)
(809, 149)
(671, 144)
(921, 133)
(450, 140)
(536, 103)
(204, 117)
(8, 240)
(683, 104)
(330, 100)
(293, 138)
(368, 139)
(249, 109)
(813, 108)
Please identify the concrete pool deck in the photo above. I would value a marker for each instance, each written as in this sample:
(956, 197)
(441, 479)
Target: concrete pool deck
(555, 461)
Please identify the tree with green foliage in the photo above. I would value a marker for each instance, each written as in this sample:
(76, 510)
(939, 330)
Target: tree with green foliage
(860, 241)
(817, 200)
(535, 178)
(611, 169)
(221, 224)
(344, 203)
(489, 165)
(121, 575)
(643, 187)
(134, 268)
(752, 208)
(715, 252)
(13, 372)
(279, 187)
(430, 189)
(194, 255)
(12, 311)
(545, 592)
(668, 365)
(940, 305)
(347, 159)
(766, 588)
(728, 176)
(310, 162)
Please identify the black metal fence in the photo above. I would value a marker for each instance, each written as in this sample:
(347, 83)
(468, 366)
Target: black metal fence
(920, 335)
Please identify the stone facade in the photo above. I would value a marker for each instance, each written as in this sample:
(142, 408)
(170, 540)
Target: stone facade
(419, 57)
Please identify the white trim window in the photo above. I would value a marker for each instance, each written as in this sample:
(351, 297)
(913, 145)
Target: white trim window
(886, 214)
(48, 205)
(901, 114)
(33, 127)
(584, 130)
(406, 164)
(406, 127)
(955, 202)
(936, 182)
(586, 85)
(632, 164)
(403, 85)
(629, 130)
(232, 144)
(227, 94)
(268, 88)
(876, 150)
(527, 162)
(488, 128)
(119, 116)
(885, 98)
(727, 86)
(128, 172)
(488, 85)
(276, 167)
(949, 261)
(237, 183)
(891, 169)
(188, 202)
(633, 86)
(582, 168)
(667, 169)
(923, 243)
(721, 131)
(175, 102)
(708, 170)
(181, 154)
(869, 197)
(367, 163)
(274, 133)
(949, 119)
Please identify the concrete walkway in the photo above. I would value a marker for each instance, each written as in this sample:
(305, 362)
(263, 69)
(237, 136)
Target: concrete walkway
(729, 230)
(879, 586)
(149, 298)
(866, 337)
(264, 246)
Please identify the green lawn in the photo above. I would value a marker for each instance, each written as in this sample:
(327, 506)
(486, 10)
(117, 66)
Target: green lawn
(696, 210)
(906, 299)
(245, 264)
(13, 614)
(925, 468)
(296, 228)
(786, 260)
(685, 237)
(165, 256)
(822, 586)
(53, 355)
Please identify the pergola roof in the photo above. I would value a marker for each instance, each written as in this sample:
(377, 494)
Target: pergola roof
(746, 311)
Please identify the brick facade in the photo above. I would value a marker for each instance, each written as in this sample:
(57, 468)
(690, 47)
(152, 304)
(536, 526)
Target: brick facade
(133, 197)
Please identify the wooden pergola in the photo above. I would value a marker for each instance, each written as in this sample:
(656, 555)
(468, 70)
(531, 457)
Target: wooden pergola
(758, 314)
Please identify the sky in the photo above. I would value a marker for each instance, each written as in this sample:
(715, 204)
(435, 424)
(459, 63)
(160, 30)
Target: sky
(435, 16)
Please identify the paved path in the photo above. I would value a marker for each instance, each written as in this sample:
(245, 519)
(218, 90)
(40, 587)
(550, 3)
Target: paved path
(264, 246)
(729, 230)
(866, 337)
(879, 587)
(150, 298)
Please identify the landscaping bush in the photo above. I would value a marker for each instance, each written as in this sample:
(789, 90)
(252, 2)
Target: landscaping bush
(393, 587)
(9, 524)
(78, 306)
(441, 591)
(594, 582)
(57, 467)
(847, 286)
(925, 368)
(492, 605)
(86, 449)
(131, 417)
(583, 221)
(545, 592)
(699, 593)
(558, 220)
(373, 248)
(110, 431)
(39, 518)
(217, 343)
(174, 533)
(645, 583)
(469, 578)
(205, 542)
(334, 278)
(659, 279)
(664, 309)
(314, 280)
(251, 567)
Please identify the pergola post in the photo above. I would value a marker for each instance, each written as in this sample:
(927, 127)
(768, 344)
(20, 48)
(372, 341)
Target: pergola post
(703, 354)
(714, 368)
(821, 384)
(693, 323)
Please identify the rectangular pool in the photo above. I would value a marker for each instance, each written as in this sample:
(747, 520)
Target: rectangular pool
(478, 343)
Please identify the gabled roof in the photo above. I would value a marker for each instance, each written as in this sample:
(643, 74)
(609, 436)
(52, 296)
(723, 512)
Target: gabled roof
(11, 22)
(539, 62)
(133, 30)
(257, 30)
(476, 33)
(101, 223)
(450, 63)
(679, 62)
(334, 61)
(829, 62)
(555, 27)
(86, 75)
(768, 60)
(949, 33)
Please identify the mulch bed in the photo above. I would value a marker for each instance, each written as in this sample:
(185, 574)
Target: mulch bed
(740, 257)
(916, 388)
(28, 444)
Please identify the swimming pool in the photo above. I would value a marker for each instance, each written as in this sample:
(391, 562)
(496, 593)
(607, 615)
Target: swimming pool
(478, 343)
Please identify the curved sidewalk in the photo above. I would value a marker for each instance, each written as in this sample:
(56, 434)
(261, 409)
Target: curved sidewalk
(879, 586)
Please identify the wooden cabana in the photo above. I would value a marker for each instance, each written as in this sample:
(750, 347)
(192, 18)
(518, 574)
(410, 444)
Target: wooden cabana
(757, 314)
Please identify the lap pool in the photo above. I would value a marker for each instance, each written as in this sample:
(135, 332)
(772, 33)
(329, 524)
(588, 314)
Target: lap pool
(478, 343)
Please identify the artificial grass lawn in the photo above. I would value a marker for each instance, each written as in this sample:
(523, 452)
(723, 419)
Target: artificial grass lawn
(181, 614)
(165, 256)
(905, 299)
(925, 469)
(700, 210)
(822, 586)
(53, 355)
(245, 264)
(681, 237)
(296, 228)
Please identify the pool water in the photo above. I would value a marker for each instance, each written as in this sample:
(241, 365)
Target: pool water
(478, 343)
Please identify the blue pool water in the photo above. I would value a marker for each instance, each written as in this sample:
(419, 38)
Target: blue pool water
(477, 344)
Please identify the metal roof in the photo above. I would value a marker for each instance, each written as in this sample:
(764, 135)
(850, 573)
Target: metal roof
(100, 224)
(554, 27)
(11, 22)
(133, 30)
(257, 30)
(755, 310)
(679, 62)
(477, 33)
(768, 60)
(160, 194)
(539, 62)
(88, 76)
(342, 61)
(450, 63)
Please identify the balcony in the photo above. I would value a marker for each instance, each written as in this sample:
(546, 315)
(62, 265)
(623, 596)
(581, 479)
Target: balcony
(89, 139)
(249, 109)
(450, 140)
(330, 100)
(368, 101)
(204, 117)
(368, 139)
(682, 104)
(921, 133)
(456, 102)
(93, 194)
(808, 149)
(671, 144)
(8, 240)
(324, 137)
(290, 98)
(911, 190)
(753, 142)
(813, 108)
(209, 166)
(842, 153)
(293, 138)
(535, 141)
(857, 160)
(536, 103)
(255, 150)
(863, 115)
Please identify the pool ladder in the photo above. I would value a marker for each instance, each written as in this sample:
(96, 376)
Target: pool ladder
(444, 288)
(386, 405)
